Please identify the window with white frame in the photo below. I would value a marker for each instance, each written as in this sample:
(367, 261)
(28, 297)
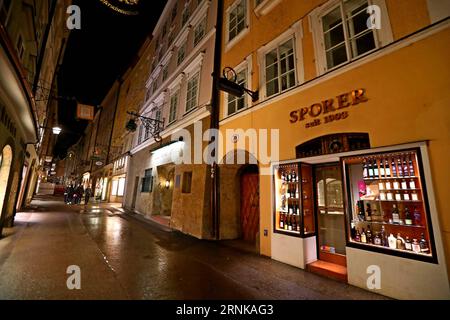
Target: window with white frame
(185, 16)
(345, 32)
(181, 53)
(238, 103)
(199, 31)
(121, 187)
(192, 93)
(237, 17)
(173, 107)
(280, 68)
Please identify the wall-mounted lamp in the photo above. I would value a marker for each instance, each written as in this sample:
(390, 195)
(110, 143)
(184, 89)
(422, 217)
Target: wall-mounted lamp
(167, 184)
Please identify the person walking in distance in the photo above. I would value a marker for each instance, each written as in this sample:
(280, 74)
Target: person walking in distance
(87, 194)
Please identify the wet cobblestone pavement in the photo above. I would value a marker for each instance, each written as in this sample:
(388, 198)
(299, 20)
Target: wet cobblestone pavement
(123, 258)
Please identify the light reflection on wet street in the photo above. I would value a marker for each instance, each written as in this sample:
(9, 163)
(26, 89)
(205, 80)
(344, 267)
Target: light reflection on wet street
(124, 258)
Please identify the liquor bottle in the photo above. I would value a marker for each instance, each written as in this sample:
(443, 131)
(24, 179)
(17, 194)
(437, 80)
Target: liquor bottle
(396, 185)
(406, 196)
(415, 246)
(288, 177)
(368, 212)
(392, 242)
(382, 169)
(417, 217)
(294, 223)
(390, 196)
(369, 235)
(298, 211)
(424, 245)
(388, 185)
(365, 170)
(286, 222)
(399, 167)
(375, 169)
(395, 214)
(394, 168)
(290, 209)
(384, 240)
(408, 244)
(387, 170)
(281, 220)
(357, 236)
(380, 185)
(363, 236)
(405, 168)
(290, 222)
(398, 196)
(296, 192)
(408, 219)
(400, 242)
(371, 173)
(414, 196)
(411, 168)
(360, 207)
(377, 240)
(382, 196)
(412, 184)
(294, 176)
(404, 184)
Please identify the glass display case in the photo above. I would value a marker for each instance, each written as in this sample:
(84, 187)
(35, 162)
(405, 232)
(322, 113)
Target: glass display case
(387, 205)
(294, 202)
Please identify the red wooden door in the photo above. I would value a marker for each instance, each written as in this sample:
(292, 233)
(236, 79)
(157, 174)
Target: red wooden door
(249, 206)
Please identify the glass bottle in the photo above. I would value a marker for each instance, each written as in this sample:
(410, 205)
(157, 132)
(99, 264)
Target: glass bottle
(370, 169)
(399, 167)
(408, 244)
(368, 212)
(394, 168)
(363, 236)
(408, 219)
(281, 220)
(369, 235)
(424, 245)
(415, 246)
(387, 170)
(395, 214)
(382, 169)
(411, 168)
(400, 242)
(377, 240)
(365, 170)
(357, 236)
(392, 241)
(375, 169)
(383, 236)
(412, 184)
(417, 217)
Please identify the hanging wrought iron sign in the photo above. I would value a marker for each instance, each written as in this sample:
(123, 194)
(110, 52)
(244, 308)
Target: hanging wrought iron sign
(228, 83)
(126, 7)
(153, 126)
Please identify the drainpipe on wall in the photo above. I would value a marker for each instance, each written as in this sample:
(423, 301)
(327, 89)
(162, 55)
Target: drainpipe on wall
(215, 107)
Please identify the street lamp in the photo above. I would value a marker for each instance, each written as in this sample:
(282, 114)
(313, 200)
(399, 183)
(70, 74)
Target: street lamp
(56, 130)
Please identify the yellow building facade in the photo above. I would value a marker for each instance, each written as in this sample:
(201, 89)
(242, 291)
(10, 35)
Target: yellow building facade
(335, 77)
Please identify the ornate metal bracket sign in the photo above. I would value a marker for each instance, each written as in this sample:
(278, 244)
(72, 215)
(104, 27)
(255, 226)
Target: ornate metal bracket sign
(153, 126)
(228, 83)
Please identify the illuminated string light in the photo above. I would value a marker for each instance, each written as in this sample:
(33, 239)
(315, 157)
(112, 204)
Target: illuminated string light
(120, 10)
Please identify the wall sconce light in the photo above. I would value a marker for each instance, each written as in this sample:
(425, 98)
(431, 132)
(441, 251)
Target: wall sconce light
(167, 184)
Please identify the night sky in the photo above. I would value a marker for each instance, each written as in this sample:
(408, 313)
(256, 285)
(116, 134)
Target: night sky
(96, 56)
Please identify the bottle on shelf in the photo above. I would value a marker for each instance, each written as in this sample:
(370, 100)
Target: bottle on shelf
(387, 169)
(368, 212)
(390, 196)
(408, 219)
(281, 221)
(290, 209)
(396, 185)
(294, 176)
(365, 170)
(288, 177)
(392, 241)
(377, 240)
(296, 192)
(375, 169)
(383, 236)
(405, 168)
(411, 168)
(363, 236)
(415, 246)
(398, 196)
(283, 177)
(395, 214)
(286, 222)
(408, 244)
(388, 185)
(424, 245)
(357, 236)
(371, 172)
(417, 217)
(406, 196)
(369, 235)
(294, 223)
(382, 169)
(400, 242)
(404, 184)
(394, 168)
(412, 184)
(399, 167)
(414, 196)
(360, 207)
(290, 222)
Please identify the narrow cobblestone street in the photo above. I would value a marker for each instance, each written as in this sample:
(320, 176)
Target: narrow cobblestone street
(124, 258)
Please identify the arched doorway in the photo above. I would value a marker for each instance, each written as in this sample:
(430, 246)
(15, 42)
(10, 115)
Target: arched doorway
(249, 208)
(5, 169)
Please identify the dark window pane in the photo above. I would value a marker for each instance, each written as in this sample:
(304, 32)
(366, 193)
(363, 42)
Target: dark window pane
(364, 43)
(334, 37)
(336, 56)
